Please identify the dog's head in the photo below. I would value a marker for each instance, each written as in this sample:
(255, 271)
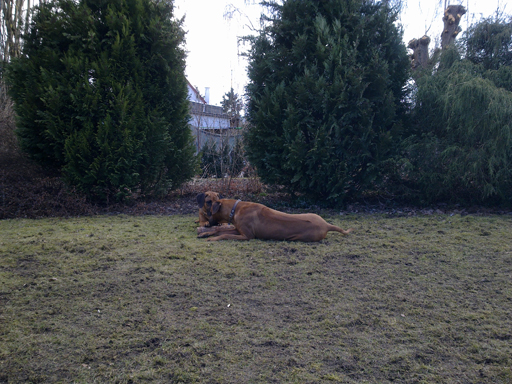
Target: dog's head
(206, 200)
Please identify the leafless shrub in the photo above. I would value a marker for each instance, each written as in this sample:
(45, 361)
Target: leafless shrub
(8, 142)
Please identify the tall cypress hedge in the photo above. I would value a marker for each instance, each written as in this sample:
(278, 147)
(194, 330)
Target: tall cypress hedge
(326, 96)
(100, 94)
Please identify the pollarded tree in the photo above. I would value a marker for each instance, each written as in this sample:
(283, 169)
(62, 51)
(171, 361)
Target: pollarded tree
(100, 94)
(326, 95)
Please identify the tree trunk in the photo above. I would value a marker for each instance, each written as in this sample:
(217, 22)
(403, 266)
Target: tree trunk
(419, 56)
(451, 19)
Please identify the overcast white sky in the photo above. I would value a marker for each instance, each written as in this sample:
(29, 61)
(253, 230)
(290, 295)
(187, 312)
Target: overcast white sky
(212, 39)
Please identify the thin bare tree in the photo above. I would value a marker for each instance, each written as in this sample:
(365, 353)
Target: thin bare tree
(14, 21)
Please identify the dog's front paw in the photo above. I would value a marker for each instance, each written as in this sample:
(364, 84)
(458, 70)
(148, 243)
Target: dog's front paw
(205, 232)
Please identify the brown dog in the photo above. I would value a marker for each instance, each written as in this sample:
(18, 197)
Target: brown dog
(256, 221)
(205, 202)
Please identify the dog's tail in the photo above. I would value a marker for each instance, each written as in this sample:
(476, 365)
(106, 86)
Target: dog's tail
(340, 230)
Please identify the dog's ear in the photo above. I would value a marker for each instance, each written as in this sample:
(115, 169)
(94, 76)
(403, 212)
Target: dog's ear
(216, 207)
(200, 200)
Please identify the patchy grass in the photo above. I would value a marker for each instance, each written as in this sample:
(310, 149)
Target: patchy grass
(124, 299)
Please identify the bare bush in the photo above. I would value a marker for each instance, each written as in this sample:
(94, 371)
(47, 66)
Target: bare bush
(8, 142)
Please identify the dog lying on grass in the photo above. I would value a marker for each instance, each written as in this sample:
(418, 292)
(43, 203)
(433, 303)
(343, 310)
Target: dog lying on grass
(256, 221)
(205, 202)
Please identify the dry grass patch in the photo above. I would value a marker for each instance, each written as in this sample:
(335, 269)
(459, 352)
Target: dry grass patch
(124, 299)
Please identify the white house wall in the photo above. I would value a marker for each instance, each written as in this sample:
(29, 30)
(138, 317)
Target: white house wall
(204, 127)
(205, 116)
(226, 137)
(192, 96)
(209, 122)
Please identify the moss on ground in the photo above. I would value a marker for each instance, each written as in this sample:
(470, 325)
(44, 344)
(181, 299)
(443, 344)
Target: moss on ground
(124, 299)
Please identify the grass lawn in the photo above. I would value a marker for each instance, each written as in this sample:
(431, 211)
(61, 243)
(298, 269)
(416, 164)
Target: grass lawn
(138, 299)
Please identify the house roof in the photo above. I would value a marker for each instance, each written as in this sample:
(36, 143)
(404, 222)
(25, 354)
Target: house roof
(196, 92)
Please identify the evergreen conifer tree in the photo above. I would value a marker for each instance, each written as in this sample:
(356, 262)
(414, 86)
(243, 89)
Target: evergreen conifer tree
(326, 95)
(101, 95)
(232, 106)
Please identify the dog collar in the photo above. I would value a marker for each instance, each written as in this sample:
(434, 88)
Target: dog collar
(233, 212)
